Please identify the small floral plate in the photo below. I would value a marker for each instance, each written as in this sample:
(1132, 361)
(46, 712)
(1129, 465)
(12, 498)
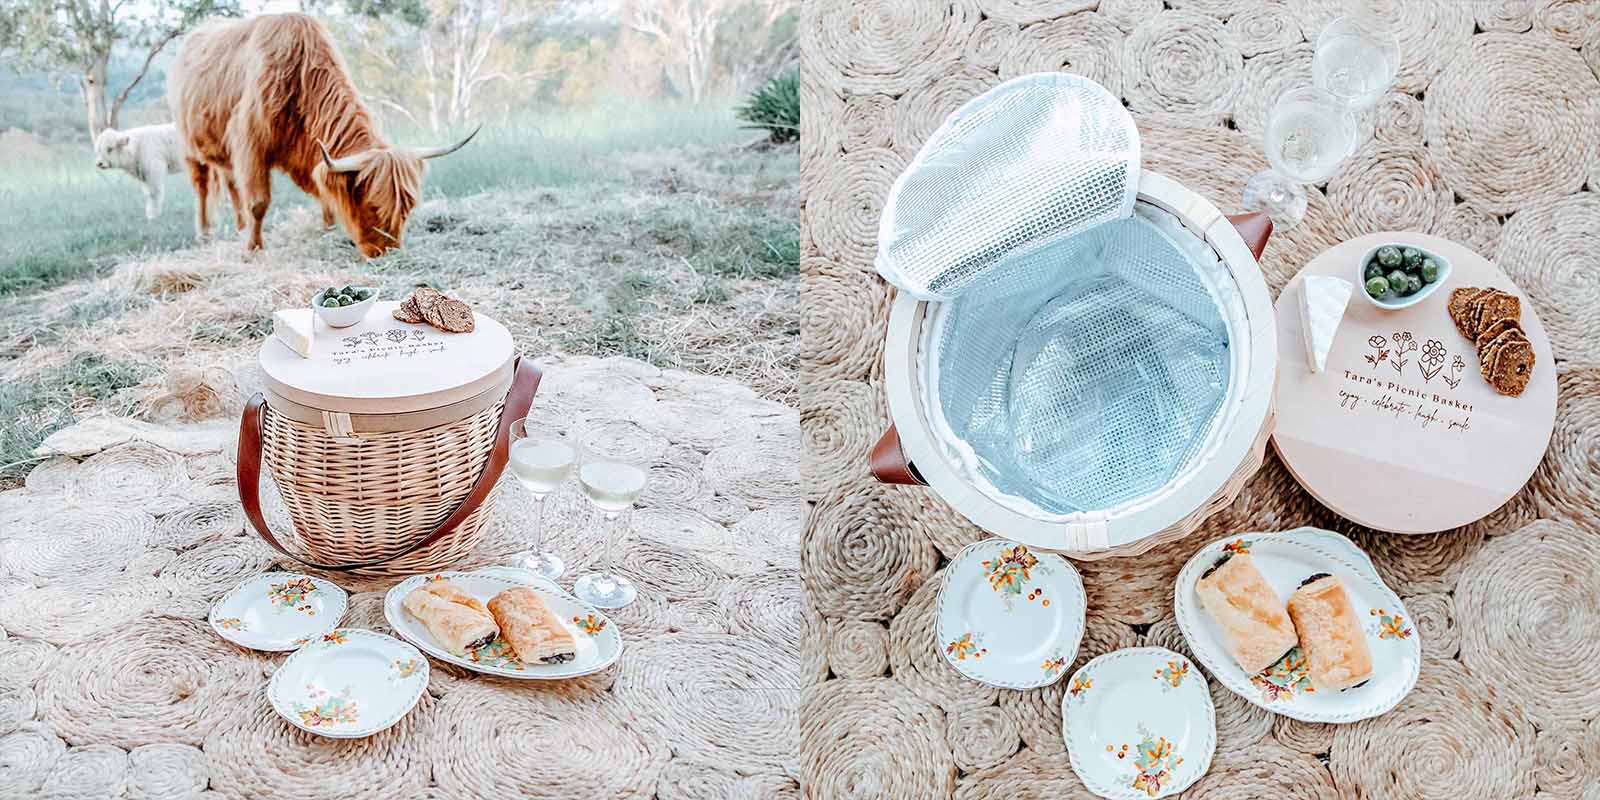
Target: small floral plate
(598, 642)
(278, 611)
(1138, 723)
(349, 683)
(1008, 616)
(1285, 559)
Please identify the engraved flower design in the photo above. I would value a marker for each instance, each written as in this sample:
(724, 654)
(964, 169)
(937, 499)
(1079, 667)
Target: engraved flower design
(1380, 351)
(1403, 342)
(1432, 359)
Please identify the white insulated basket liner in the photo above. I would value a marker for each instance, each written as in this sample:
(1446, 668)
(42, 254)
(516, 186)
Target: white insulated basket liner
(1084, 346)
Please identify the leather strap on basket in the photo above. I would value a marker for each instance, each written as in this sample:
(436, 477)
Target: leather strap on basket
(1254, 227)
(523, 387)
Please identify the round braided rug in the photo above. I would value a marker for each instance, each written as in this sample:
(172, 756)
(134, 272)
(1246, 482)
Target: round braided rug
(1400, 118)
(1434, 616)
(981, 737)
(165, 770)
(1037, 713)
(700, 423)
(724, 509)
(873, 738)
(1512, 120)
(721, 699)
(76, 552)
(87, 773)
(1466, 224)
(1266, 78)
(1431, 32)
(842, 322)
(841, 420)
(1563, 485)
(771, 534)
(673, 573)
(766, 787)
(52, 476)
(868, 121)
(923, 511)
(842, 211)
(149, 563)
(46, 519)
(674, 485)
(210, 469)
(257, 754)
(924, 109)
(1454, 737)
(762, 473)
(211, 569)
(1591, 56)
(1182, 62)
(132, 474)
(205, 522)
(1527, 626)
(857, 648)
(26, 756)
(22, 661)
(1137, 590)
(765, 605)
(1422, 563)
(1510, 16)
(1388, 187)
(1221, 9)
(989, 42)
(1568, 761)
(1264, 772)
(814, 645)
(1084, 44)
(886, 47)
(1022, 12)
(917, 663)
(858, 562)
(152, 680)
(1027, 774)
(17, 706)
(695, 616)
(1258, 29)
(819, 135)
(1551, 248)
(1566, 21)
(620, 439)
(61, 614)
(687, 780)
(1311, 738)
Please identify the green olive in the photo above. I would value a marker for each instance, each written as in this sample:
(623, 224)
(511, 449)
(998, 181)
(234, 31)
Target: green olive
(1389, 256)
(345, 299)
(1397, 280)
(1374, 270)
(331, 302)
(1412, 257)
(1377, 286)
(1430, 270)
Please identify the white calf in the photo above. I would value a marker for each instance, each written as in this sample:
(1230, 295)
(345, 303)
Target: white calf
(147, 153)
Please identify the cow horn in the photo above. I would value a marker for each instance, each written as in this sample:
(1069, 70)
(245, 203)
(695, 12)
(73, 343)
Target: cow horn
(435, 152)
(346, 164)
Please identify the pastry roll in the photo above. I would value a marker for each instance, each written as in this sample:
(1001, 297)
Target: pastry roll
(457, 627)
(1337, 656)
(1252, 619)
(448, 591)
(533, 632)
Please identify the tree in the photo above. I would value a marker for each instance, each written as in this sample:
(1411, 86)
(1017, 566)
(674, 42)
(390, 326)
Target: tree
(688, 29)
(77, 37)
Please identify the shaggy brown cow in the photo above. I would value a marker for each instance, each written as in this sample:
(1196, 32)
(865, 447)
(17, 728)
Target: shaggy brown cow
(271, 92)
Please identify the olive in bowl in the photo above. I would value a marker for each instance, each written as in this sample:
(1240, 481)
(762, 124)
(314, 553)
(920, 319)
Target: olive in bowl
(1399, 275)
(341, 307)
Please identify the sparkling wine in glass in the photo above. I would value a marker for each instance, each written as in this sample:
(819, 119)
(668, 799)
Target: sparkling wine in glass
(612, 486)
(1308, 133)
(1356, 60)
(541, 464)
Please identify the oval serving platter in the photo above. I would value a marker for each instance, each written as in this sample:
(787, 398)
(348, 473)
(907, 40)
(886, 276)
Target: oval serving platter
(598, 642)
(278, 611)
(1285, 559)
(349, 683)
(1008, 616)
(1138, 723)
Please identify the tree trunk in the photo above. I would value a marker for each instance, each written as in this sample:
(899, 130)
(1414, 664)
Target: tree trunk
(93, 84)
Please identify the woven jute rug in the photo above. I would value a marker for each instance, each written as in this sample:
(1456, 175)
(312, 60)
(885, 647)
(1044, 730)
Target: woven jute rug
(1491, 137)
(113, 685)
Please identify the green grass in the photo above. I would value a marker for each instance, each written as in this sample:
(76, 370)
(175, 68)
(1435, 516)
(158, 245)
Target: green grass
(61, 219)
(45, 402)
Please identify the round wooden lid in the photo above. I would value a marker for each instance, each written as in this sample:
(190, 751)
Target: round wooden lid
(1407, 439)
(383, 366)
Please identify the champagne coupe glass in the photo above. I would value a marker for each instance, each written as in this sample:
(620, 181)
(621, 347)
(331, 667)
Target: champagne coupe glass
(612, 485)
(1308, 133)
(1356, 61)
(541, 464)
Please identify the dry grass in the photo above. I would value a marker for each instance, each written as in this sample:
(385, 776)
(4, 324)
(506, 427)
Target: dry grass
(685, 258)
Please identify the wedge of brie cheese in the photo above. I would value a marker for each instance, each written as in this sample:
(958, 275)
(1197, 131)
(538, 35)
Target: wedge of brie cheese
(1322, 302)
(292, 326)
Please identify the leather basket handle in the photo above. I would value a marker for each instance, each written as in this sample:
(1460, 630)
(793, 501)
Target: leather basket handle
(889, 463)
(524, 385)
(1255, 228)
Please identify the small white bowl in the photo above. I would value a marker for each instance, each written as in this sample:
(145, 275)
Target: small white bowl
(345, 316)
(1400, 302)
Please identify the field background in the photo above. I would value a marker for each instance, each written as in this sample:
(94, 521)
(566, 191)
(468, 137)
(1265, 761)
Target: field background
(607, 208)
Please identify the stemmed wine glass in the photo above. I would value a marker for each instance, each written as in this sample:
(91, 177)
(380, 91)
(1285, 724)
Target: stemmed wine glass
(541, 463)
(612, 485)
(1308, 133)
(1356, 61)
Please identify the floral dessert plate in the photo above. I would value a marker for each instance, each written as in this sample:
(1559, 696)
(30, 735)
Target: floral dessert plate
(1008, 616)
(1138, 723)
(278, 611)
(598, 642)
(1285, 559)
(349, 683)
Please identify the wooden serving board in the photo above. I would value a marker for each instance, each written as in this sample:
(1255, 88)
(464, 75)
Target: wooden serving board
(1390, 439)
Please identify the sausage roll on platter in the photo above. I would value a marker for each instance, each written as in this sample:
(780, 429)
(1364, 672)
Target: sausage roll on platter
(1300, 623)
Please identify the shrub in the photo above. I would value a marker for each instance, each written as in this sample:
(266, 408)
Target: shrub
(775, 107)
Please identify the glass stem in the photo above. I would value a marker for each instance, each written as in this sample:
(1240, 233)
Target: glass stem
(536, 541)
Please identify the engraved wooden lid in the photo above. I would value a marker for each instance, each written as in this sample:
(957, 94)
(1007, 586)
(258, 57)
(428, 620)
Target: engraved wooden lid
(1398, 438)
(381, 365)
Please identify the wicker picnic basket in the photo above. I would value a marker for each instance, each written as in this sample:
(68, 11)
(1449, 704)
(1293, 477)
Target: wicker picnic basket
(1082, 354)
(385, 444)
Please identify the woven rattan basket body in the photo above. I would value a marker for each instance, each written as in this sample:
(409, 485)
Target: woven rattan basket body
(385, 482)
(909, 453)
